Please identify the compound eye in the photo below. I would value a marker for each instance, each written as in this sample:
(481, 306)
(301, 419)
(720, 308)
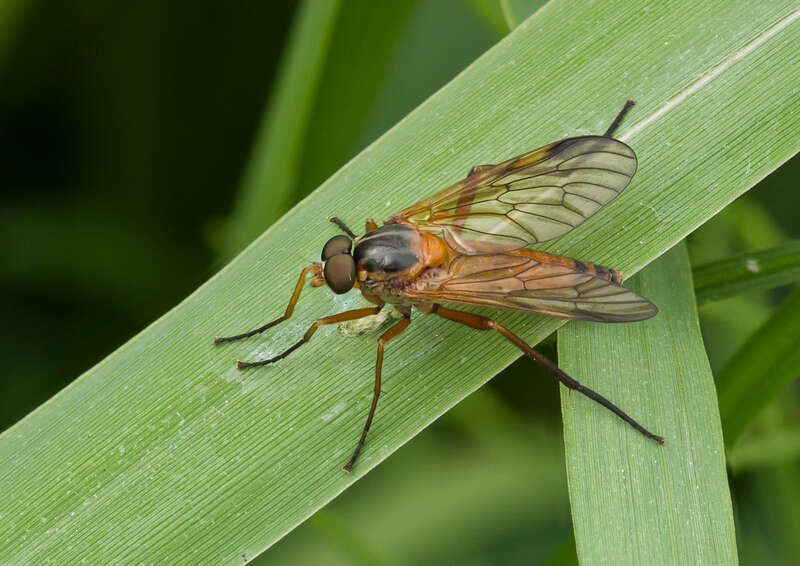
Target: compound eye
(335, 246)
(340, 273)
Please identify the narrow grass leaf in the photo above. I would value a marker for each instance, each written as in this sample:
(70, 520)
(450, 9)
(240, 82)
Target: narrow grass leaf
(361, 49)
(268, 188)
(491, 13)
(760, 369)
(11, 14)
(517, 11)
(771, 448)
(332, 71)
(634, 502)
(753, 271)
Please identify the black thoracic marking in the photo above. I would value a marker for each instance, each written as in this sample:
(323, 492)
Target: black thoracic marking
(580, 266)
(386, 249)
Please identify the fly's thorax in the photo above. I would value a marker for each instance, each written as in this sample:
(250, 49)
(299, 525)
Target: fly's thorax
(393, 250)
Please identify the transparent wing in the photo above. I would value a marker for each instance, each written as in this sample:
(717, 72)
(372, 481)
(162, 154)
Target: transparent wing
(531, 281)
(529, 199)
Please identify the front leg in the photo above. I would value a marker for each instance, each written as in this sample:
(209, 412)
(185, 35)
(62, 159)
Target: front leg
(316, 270)
(333, 319)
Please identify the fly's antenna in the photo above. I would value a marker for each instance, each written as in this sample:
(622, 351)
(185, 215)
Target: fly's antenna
(343, 226)
(619, 118)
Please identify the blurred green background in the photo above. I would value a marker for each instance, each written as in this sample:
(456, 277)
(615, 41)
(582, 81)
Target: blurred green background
(125, 137)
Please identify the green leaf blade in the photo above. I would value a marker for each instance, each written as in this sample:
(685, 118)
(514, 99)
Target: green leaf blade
(750, 271)
(761, 368)
(219, 463)
(271, 175)
(634, 502)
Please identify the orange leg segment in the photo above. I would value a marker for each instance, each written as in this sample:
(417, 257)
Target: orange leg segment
(286, 316)
(333, 319)
(385, 337)
(484, 323)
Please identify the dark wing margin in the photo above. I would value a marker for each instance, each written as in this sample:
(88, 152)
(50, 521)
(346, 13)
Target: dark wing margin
(529, 199)
(536, 282)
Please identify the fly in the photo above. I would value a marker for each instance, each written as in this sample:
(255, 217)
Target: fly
(467, 245)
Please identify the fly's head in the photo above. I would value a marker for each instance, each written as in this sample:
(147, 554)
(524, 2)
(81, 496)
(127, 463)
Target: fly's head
(338, 268)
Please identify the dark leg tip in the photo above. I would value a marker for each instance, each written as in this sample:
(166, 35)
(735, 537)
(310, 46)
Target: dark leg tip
(241, 365)
(217, 341)
(348, 467)
(659, 439)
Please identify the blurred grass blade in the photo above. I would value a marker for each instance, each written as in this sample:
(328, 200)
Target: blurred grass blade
(517, 11)
(491, 13)
(565, 555)
(11, 14)
(634, 502)
(334, 68)
(270, 178)
(783, 506)
(765, 449)
(760, 369)
(165, 453)
(360, 52)
(760, 270)
(339, 534)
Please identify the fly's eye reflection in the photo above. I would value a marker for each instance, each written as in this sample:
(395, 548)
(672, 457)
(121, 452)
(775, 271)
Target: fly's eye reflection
(340, 273)
(335, 246)
(467, 245)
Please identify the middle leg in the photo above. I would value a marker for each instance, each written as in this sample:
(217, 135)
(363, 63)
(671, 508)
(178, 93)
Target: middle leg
(388, 335)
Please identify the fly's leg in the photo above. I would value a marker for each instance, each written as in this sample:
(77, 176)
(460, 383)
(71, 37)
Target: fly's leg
(333, 319)
(618, 119)
(388, 335)
(484, 323)
(315, 269)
